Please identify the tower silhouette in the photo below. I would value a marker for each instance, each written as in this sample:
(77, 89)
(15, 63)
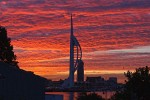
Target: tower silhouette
(76, 62)
(80, 71)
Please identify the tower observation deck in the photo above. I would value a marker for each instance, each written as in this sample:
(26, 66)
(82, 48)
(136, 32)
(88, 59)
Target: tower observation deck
(76, 63)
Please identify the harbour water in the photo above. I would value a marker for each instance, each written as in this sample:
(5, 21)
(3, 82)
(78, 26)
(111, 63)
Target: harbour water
(74, 95)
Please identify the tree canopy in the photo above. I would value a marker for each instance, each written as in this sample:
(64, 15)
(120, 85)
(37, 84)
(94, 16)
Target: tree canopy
(137, 86)
(6, 49)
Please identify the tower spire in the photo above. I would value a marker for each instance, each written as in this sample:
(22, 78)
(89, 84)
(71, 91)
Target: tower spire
(71, 72)
(75, 59)
(71, 25)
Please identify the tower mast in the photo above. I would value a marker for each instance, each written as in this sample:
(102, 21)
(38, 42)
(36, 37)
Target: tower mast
(76, 63)
(71, 72)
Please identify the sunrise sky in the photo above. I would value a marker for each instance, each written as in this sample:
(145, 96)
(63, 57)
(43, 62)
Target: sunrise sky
(114, 34)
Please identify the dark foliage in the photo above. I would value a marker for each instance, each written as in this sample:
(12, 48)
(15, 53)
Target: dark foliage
(90, 96)
(137, 86)
(6, 49)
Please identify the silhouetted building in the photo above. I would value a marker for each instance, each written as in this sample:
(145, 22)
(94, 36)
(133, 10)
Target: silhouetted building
(75, 57)
(98, 79)
(99, 83)
(80, 71)
(17, 84)
(113, 79)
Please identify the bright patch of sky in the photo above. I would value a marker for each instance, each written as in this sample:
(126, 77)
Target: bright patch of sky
(141, 49)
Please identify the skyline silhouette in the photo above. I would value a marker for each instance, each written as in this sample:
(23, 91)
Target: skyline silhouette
(114, 35)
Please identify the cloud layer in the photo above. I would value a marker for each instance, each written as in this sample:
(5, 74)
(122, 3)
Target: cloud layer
(114, 34)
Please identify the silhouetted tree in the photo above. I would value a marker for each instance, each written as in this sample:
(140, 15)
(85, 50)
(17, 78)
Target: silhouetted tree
(91, 96)
(137, 86)
(6, 49)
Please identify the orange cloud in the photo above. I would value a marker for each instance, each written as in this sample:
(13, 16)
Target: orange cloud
(40, 34)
